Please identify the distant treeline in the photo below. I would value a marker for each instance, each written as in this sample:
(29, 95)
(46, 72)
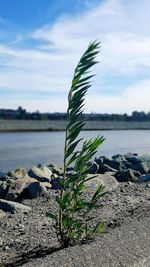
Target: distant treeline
(22, 114)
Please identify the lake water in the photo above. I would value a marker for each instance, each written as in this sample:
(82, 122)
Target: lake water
(28, 149)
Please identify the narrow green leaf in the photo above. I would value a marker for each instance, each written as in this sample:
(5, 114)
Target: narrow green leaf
(90, 178)
(79, 94)
(73, 158)
(65, 198)
(52, 215)
(80, 86)
(99, 191)
(74, 133)
(82, 80)
(71, 147)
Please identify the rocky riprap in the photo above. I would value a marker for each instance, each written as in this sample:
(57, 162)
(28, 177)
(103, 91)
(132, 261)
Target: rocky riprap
(125, 168)
(26, 233)
(19, 184)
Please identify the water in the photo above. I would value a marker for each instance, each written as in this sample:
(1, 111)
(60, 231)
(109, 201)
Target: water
(28, 149)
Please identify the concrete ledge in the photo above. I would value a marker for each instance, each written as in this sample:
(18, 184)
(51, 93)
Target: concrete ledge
(124, 246)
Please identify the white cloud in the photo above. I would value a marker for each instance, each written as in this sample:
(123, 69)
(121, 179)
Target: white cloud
(134, 97)
(122, 27)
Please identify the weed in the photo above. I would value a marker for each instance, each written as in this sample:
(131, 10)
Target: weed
(74, 219)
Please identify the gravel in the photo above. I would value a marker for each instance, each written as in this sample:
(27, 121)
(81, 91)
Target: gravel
(30, 238)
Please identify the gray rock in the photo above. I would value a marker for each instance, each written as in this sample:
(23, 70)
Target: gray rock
(107, 168)
(145, 178)
(112, 163)
(93, 167)
(107, 180)
(122, 167)
(2, 214)
(132, 158)
(127, 164)
(100, 162)
(3, 176)
(141, 167)
(146, 159)
(55, 170)
(18, 173)
(129, 154)
(13, 206)
(3, 189)
(118, 163)
(26, 187)
(42, 173)
(55, 183)
(118, 158)
(128, 175)
(33, 190)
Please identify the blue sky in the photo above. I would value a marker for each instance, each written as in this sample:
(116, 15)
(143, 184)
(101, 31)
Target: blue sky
(41, 42)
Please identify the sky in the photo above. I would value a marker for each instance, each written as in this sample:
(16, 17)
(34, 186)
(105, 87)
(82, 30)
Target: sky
(41, 41)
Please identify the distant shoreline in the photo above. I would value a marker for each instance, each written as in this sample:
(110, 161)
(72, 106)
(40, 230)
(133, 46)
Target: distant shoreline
(57, 130)
(60, 125)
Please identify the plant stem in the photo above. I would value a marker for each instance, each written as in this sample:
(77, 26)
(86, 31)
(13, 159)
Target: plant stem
(62, 189)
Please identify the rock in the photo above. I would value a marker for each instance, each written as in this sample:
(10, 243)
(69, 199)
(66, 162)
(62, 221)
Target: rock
(3, 189)
(3, 176)
(132, 158)
(18, 173)
(107, 180)
(118, 158)
(100, 162)
(25, 188)
(141, 167)
(112, 163)
(55, 170)
(33, 190)
(55, 183)
(129, 154)
(2, 214)
(128, 175)
(47, 185)
(145, 178)
(122, 167)
(107, 161)
(127, 164)
(42, 173)
(146, 159)
(93, 167)
(13, 206)
(107, 168)
(118, 162)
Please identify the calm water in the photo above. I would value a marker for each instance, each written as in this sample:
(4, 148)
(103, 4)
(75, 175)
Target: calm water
(28, 149)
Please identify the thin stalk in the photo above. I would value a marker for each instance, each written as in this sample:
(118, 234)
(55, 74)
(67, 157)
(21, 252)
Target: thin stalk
(64, 178)
(62, 189)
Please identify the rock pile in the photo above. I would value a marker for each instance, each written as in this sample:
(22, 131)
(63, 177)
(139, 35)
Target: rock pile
(21, 184)
(125, 168)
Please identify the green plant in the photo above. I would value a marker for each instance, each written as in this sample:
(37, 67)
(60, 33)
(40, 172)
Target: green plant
(74, 219)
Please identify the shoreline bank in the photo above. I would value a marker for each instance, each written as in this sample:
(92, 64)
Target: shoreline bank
(60, 125)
